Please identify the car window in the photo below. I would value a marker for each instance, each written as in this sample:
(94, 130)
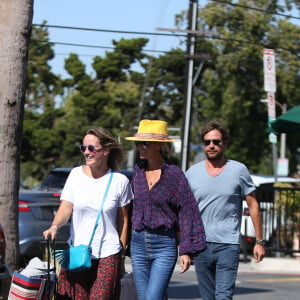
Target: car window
(55, 180)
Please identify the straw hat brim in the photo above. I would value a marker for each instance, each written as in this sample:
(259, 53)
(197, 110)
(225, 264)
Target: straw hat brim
(150, 140)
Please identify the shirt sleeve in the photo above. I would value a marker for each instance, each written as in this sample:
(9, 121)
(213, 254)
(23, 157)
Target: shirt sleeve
(191, 229)
(67, 192)
(126, 191)
(246, 182)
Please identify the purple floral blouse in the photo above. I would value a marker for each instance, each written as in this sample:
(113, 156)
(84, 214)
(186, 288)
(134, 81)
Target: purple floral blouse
(170, 204)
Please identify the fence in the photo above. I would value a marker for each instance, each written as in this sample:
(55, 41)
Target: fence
(283, 215)
(280, 210)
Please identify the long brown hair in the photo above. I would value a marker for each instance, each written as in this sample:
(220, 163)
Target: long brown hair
(165, 151)
(107, 141)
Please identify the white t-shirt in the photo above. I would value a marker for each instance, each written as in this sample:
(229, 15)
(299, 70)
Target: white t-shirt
(86, 194)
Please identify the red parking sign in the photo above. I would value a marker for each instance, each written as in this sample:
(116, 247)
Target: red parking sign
(269, 71)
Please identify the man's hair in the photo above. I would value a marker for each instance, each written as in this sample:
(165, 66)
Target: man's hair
(215, 125)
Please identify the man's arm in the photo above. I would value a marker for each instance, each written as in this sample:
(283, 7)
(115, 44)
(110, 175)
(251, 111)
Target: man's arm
(259, 250)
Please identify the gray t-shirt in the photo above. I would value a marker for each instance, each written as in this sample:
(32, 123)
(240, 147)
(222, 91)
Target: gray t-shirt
(220, 199)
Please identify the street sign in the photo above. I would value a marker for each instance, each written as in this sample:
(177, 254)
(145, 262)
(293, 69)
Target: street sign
(282, 167)
(269, 71)
(271, 107)
(272, 138)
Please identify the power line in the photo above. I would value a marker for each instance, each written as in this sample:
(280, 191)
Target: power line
(164, 34)
(173, 34)
(159, 33)
(146, 33)
(257, 9)
(99, 47)
(108, 30)
(164, 51)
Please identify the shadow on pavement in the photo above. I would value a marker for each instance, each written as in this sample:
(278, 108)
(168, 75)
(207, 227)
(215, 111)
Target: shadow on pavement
(183, 290)
(239, 290)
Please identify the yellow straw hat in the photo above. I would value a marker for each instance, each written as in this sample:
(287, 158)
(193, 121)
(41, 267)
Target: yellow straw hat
(152, 131)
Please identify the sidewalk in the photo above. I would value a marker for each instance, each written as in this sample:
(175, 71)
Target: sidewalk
(268, 265)
(272, 265)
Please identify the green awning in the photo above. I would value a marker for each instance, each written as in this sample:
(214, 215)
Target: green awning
(288, 122)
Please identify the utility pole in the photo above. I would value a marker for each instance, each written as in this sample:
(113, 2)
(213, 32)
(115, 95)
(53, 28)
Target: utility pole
(191, 41)
(189, 80)
(282, 135)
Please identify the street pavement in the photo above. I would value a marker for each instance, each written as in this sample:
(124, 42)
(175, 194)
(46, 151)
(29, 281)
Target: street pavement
(273, 278)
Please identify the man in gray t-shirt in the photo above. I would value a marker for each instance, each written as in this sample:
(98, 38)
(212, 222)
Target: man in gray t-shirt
(220, 185)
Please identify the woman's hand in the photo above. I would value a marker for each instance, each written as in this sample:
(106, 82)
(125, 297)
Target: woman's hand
(185, 262)
(51, 232)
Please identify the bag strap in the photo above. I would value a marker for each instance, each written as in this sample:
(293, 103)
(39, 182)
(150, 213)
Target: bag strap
(101, 207)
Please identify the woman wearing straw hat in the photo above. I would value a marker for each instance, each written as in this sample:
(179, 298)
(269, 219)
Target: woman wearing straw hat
(163, 208)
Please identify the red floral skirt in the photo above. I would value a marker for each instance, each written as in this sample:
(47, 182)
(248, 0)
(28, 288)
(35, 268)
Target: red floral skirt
(101, 281)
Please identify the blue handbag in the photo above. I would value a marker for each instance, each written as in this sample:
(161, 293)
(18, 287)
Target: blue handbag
(78, 258)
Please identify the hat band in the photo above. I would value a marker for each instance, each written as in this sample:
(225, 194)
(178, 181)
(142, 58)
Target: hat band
(152, 136)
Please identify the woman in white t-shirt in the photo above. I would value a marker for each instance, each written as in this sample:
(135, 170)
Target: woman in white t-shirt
(81, 198)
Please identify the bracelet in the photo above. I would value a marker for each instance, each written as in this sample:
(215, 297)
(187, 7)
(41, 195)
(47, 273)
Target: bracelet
(54, 226)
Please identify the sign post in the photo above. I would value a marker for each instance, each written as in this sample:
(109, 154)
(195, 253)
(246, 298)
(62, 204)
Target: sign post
(271, 115)
(270, 87)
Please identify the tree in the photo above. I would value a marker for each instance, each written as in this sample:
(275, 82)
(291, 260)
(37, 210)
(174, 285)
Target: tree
(15, 24)
(107, 98)
(40, 143)
(42, 84)
(231, 84)
(164, 94)
(117, 94)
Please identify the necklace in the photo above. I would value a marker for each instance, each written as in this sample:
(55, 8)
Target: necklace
(153, 176)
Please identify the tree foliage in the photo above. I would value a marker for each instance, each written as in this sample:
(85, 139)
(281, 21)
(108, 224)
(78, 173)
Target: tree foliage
(127, 85)
(40, 147)
(231, 84)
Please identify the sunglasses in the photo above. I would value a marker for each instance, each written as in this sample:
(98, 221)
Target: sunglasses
(215, 142)
(91, 148)
(143, 143)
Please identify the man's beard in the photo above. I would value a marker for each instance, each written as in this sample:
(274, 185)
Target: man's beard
(217, 157)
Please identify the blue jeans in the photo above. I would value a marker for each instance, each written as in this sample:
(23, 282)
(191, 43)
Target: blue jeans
(216, 270)
(153, 257)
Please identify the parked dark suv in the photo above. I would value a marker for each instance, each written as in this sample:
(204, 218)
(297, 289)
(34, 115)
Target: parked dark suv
(37, 209)
(55, 180)
(57, 177)
(36, 212)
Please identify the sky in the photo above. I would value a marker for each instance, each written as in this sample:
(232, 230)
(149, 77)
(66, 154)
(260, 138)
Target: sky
(130, 15)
